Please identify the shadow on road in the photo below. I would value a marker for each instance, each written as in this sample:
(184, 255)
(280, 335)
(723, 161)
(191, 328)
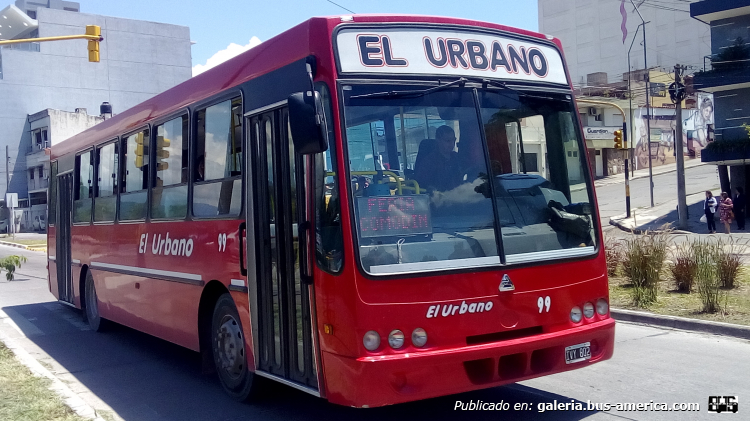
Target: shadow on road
(144, 378)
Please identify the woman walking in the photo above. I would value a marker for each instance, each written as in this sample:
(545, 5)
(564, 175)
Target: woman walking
(709, 208)
(725, 211)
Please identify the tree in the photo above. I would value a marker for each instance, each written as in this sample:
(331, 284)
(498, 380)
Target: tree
(734, 57)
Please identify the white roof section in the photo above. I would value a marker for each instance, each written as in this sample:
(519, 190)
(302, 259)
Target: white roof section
(15, 24)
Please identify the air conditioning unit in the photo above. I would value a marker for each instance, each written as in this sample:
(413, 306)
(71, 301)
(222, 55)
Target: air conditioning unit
(599, 117)
(592, 111)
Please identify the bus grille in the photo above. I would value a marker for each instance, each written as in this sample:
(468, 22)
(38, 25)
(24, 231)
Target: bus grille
(503, 336)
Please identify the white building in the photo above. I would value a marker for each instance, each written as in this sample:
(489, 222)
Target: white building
(138, 60)
(593, 40)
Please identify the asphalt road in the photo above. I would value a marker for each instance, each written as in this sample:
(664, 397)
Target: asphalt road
(142, 378)
(611, 197)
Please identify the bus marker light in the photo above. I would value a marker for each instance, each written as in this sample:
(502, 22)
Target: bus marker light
(588, 310)
(419, 337)
(575, 314)
(328, 329)
(601, 306)
(371, 340)
(396, 339)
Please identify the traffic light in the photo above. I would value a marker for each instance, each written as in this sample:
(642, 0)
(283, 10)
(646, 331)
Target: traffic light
(618, 139)
(161, 153)
(94, 44)
(141, 150)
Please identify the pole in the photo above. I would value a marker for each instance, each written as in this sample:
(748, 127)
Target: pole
(11, 217)
(627, 177)
(630, 94)
(681, 194)
(648, 107)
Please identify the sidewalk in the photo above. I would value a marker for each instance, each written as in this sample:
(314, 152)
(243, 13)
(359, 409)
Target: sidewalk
(643, 173)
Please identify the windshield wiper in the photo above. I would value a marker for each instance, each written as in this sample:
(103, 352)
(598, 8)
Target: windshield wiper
(413, 93)
(496, 83)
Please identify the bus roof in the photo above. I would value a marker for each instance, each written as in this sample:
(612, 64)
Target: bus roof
(312, 37)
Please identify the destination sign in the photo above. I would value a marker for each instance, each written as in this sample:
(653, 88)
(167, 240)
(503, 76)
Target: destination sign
(393, 216)
(447, 52)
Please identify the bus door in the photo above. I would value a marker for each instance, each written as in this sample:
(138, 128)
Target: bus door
(284, 326)
(62, 234)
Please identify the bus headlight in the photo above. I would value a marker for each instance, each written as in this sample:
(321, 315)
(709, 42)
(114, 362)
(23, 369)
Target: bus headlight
(396, 339)
(371, 340)
(588, 310)
(419, 337)
(575, 314)
(601, 306)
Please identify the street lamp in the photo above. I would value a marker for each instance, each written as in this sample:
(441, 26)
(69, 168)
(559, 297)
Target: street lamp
(648, 105)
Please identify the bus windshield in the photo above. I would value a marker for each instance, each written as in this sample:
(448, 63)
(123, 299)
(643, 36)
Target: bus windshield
(458, 178)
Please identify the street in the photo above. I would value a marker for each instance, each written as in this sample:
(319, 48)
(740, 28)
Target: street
(142, 378)
(611, 197)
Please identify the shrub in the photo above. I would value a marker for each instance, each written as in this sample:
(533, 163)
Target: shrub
(642, 262)
(728, 262)
(708, 283)
(9, 265)
(613, 255)
(684, 266)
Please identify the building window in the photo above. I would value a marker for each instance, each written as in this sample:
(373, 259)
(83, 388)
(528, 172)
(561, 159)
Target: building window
(31, 174)
(31, 14)
(169, 192)
(218, 167)
(41, 172)
(134, 176)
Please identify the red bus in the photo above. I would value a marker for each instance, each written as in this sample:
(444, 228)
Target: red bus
(371, 209)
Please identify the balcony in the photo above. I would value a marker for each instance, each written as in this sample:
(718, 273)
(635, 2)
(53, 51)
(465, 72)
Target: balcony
(727, 70)
(727, 152)
(708, 11)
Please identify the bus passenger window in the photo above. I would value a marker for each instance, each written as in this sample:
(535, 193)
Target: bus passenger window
(217, 170)
(169, 192)
(52, 206)
(105, 202)
(134, 176)
(84, 179)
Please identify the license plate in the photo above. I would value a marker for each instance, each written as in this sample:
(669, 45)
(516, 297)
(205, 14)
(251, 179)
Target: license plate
(576, 353)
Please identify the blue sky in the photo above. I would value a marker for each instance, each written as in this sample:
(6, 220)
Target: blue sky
(214, 26)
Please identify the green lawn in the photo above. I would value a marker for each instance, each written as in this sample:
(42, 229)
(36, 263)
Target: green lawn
(736, 302)
(25, 397)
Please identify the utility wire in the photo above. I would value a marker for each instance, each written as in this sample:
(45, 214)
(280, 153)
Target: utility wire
(329, 1)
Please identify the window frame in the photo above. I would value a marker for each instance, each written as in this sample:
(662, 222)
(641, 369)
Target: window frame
(121, 173)
(97, 148)
(188, 138)
(229, 95)
(76, 185)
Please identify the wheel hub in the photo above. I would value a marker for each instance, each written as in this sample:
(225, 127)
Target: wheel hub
(230, 346)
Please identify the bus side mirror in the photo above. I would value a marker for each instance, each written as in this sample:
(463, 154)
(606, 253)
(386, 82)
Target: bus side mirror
(307, 123)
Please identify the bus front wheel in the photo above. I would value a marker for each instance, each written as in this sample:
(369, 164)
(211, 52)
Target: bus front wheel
(228, 346)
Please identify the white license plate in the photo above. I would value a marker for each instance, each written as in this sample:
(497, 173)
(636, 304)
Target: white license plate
(576, 353)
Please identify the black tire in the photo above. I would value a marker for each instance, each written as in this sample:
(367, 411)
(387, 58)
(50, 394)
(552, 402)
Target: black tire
(228, 349)
(91, 306)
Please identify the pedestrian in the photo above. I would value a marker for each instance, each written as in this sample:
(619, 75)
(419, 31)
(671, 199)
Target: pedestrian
(725, 211)
(709, 208)
(739, 207)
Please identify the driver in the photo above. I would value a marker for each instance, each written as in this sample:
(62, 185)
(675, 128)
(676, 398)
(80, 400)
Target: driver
(437, 167)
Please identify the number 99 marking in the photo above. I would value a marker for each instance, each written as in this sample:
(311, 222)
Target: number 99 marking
(543, 302)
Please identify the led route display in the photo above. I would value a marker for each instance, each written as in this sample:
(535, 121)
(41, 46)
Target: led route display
(394, 216)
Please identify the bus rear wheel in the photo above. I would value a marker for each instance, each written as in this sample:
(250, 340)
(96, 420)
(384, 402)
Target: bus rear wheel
(228, 347)
(91, 305)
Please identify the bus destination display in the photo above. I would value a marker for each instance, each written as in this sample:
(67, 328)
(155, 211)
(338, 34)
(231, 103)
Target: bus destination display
(394, 216)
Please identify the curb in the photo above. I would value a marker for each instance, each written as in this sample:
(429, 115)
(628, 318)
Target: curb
(682, 323)
(636, 177)
(616, 223)
(21, 246)
(68, 397)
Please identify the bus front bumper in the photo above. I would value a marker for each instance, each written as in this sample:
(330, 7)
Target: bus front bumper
(385, 380)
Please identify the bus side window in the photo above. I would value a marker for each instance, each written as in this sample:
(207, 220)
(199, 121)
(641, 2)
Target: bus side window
(217, 175)
(105, 202)
(134, 150)
(169, 189)
(84, 187)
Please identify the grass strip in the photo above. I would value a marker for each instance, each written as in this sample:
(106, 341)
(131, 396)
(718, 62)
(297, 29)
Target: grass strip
(25, 397)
